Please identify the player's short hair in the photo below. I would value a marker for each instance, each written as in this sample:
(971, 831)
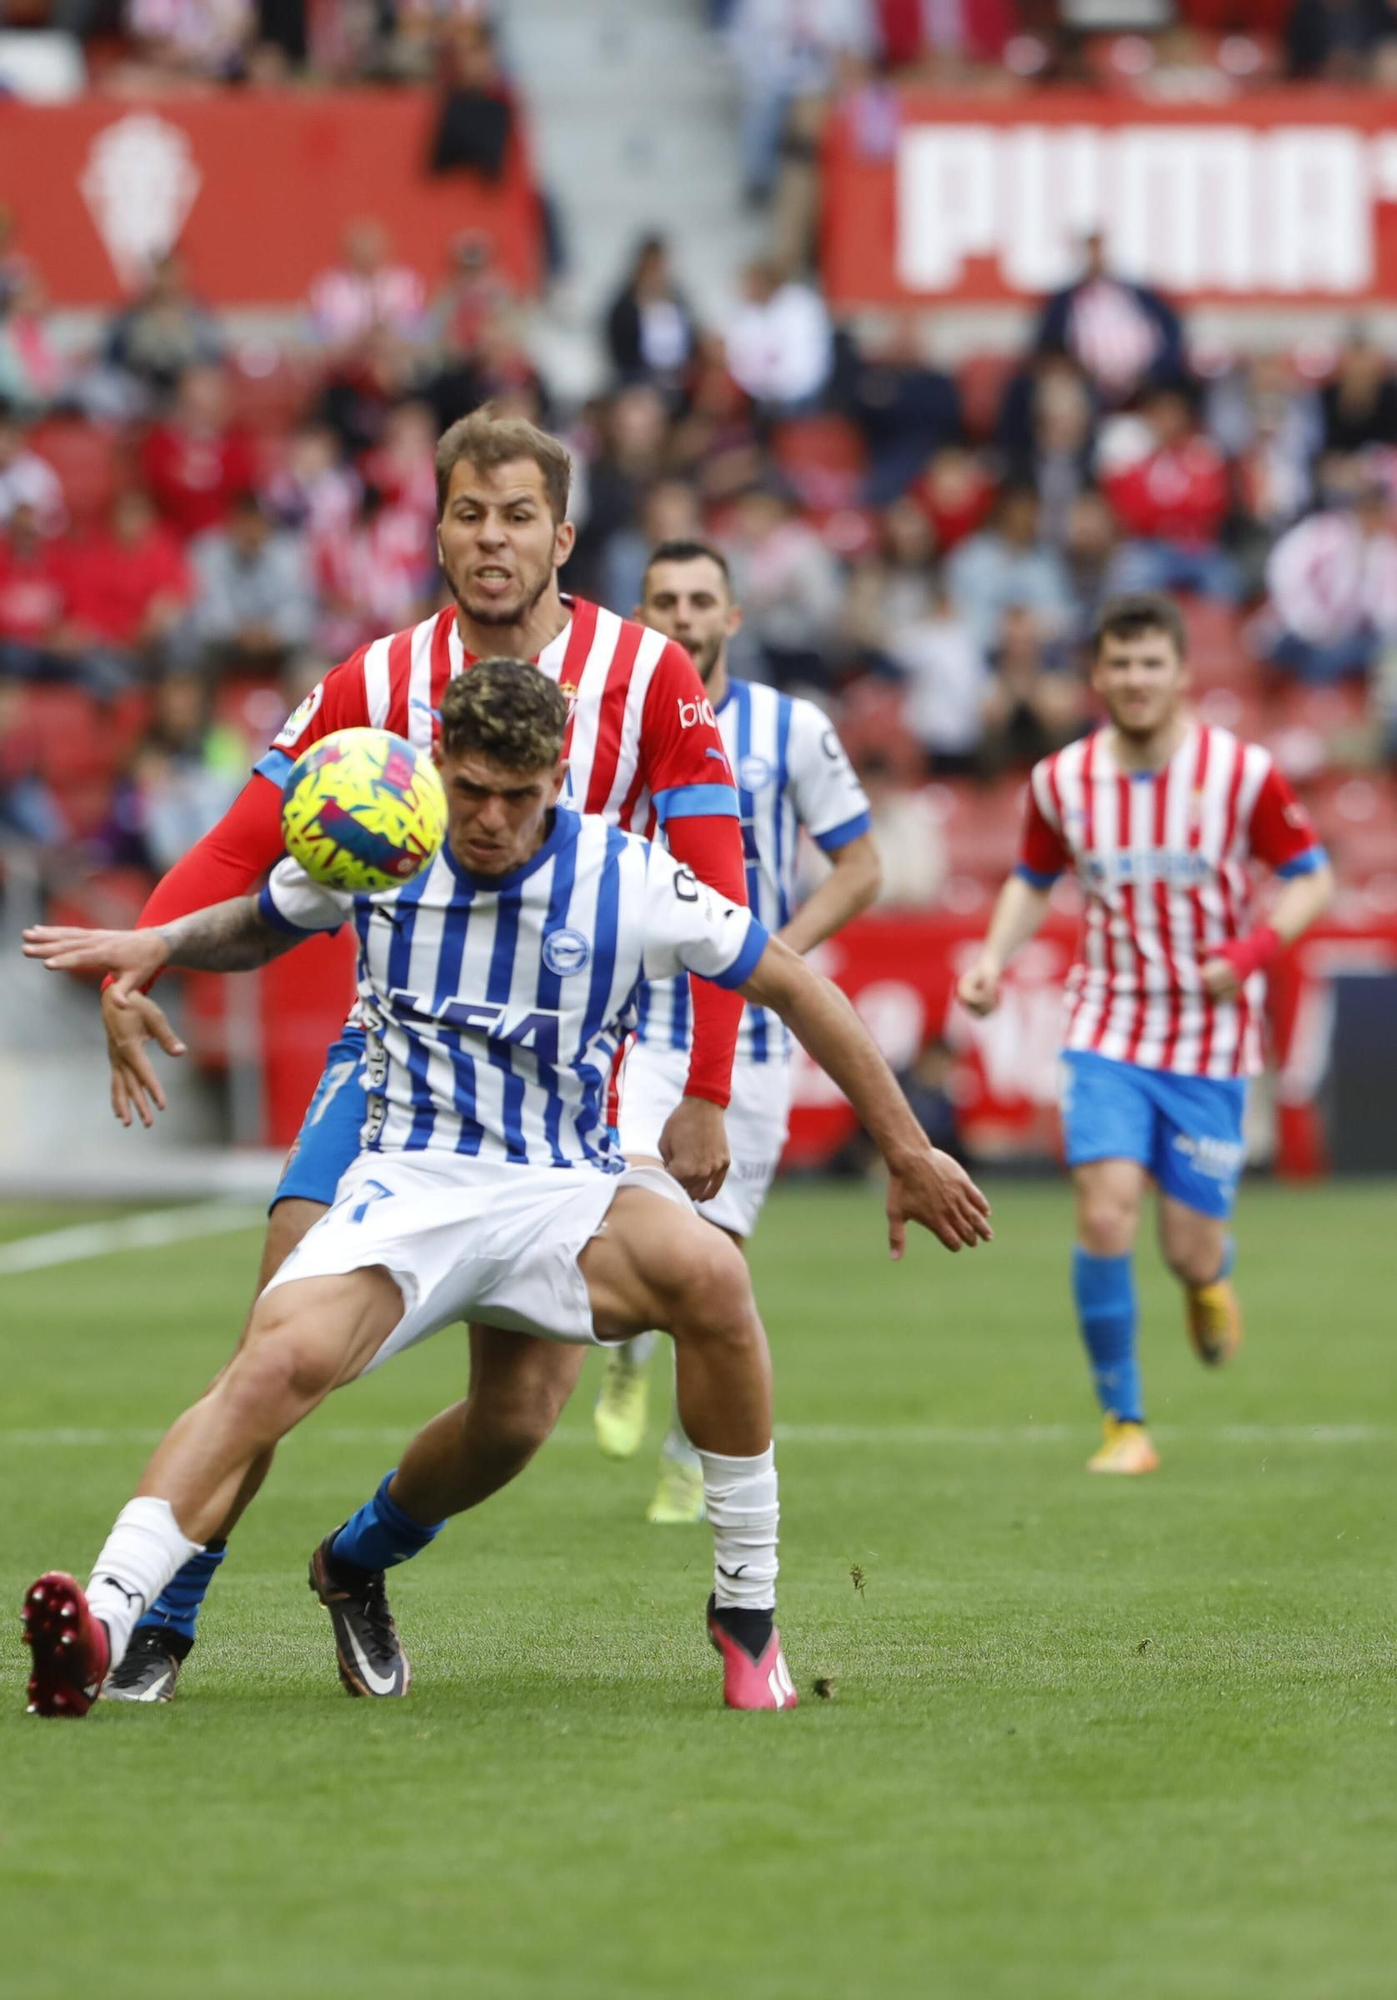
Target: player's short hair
(508, 710)
(1138, 611)
(683, 549)
(486, 441)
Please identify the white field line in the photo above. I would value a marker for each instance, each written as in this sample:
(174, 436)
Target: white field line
(918, 1437)
(151, 1231)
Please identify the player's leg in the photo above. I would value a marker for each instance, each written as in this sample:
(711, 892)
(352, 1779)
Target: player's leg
(650, 1085)
(657, 1265)
(326, 1144)
(1108, 1134)
(1199, 1162)
(306, 1337)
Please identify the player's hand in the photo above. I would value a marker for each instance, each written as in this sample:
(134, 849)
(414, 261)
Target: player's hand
(1221, 978)
(978, 989)
(933, 1189)
(130, 1024)
(694, 1146)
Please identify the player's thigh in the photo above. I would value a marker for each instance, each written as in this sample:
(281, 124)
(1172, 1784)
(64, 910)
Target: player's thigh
(1108, 1136)
(286, 1225)
(649, 1087)
(1198, 1164)
(309, 1335)
(758, 1119)
(520, 1382)
(657, 1261)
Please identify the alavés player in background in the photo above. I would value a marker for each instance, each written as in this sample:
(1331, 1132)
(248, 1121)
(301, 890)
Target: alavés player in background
(791, 773)
(1159, 815)
(495, 988)
(643, 753)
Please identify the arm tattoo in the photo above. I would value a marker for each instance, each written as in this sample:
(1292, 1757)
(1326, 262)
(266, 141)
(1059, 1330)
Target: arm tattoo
(229, 937)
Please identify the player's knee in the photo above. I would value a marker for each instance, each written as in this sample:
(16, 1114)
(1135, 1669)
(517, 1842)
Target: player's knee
(714, 1298)
(1106, 1221)
(1193, 1258)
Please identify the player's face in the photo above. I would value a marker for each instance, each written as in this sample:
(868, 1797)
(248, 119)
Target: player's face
(496, 816)
(1142, 682)
(689, 602)
(499, 544)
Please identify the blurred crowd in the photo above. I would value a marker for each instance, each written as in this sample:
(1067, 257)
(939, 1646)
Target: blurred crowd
(194, 524)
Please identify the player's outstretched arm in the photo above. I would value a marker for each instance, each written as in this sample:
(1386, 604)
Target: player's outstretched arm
(851, 885)
(1018, 912)
(924, 1185)
(231, 937)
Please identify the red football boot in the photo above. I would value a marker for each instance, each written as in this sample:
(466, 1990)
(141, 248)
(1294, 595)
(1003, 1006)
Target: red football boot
(760, 1680)
(70, 1648)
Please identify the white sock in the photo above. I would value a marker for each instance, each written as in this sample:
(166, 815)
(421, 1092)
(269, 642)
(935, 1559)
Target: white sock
(743, 1511)
(677, 1449)
(634, 1353)
(143, 1551)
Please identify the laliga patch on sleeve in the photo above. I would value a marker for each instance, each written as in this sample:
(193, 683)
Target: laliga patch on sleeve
(300, 719)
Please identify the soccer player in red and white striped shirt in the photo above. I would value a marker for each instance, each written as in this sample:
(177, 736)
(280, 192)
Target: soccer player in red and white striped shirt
(644, 751)
(1159, 817)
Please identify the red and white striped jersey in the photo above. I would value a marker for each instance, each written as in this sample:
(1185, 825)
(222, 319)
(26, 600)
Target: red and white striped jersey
(643, 743)
(1162, 857)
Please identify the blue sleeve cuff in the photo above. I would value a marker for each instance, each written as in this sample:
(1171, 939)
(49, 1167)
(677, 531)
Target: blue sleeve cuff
(1035, 877)
(695, 802)
(745, 964)
(276, 765)
(840, 836)
(268, 911)
(1304, 864)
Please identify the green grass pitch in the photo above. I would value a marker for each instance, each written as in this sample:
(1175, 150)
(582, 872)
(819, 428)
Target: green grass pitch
(1085, 1738)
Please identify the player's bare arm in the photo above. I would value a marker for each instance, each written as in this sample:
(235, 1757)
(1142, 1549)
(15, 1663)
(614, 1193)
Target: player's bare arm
(850, 887)
(924, 1185)
(1300, 903)
(1018, 913)
(230, 937)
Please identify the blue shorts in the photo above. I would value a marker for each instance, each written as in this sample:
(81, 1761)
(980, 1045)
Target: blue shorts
(329, 1136)
(1186, 1130)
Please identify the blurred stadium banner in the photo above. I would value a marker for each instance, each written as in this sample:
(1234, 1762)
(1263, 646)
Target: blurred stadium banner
(996, 1079)
(1273, 198)
(99, 188)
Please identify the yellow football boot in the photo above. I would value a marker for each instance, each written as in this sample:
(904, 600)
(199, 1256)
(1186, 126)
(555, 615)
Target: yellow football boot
(619, 1414)
(1125, 1448)
(1214, 1321)
(679, 1495)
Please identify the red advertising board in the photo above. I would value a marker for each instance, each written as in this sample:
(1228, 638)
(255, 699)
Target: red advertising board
(1286, 197)
(256, 187)
(1000, 1074)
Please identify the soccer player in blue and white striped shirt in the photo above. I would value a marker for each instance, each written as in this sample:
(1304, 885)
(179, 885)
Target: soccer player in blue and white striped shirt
(792, 775)
(495, 988)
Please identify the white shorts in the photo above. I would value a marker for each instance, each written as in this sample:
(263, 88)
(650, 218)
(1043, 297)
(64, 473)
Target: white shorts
(651, 1084)
(469, 1239)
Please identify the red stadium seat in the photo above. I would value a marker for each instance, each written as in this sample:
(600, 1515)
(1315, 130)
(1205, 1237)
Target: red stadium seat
(824, 460)
(981, 824)
(92, 462)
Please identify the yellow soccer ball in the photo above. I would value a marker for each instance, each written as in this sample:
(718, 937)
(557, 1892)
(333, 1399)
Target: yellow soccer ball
(363, 810)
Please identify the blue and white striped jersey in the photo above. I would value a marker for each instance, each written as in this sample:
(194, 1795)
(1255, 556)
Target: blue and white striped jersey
(791, 772)
(494, 1006)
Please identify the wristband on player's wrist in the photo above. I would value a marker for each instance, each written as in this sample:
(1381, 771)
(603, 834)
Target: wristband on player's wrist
(1252, 953)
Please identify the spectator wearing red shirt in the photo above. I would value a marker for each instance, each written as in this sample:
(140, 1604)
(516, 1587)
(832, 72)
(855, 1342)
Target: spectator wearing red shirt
(129, 583)
(196, 463)
(37, 639)
(1172, 501)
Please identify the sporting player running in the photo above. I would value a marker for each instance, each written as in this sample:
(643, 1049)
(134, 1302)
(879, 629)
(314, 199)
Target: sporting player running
(791, 773)
(495, 991)
(1159, 815)
(643, 752)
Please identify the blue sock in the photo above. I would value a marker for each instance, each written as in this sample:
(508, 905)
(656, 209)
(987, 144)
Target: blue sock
(1104, 1291)
(381, 1534)
(176, 1609)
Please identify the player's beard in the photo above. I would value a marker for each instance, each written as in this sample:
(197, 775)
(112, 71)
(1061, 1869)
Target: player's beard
(501, 615)
(705, 655)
